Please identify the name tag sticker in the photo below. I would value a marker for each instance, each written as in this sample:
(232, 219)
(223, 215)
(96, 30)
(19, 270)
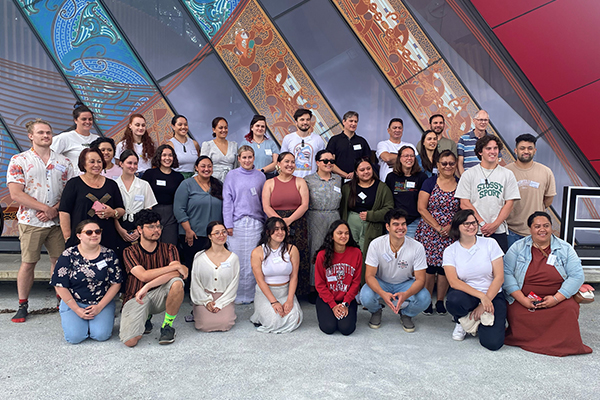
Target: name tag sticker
(482, 181)
(253, 191)
(551, 259)
(357, 147)
(332, 278)
(138, 197)
(410, 185)
(362, 196)
(387, 257)
(269, 152)
(434, 171)
(60, 167)
(337, 189)
(101, 264)
(161, 182)
(534, 184)
(225, 264)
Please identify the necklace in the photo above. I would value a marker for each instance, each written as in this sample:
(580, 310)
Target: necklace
(395, 250)
(203, 186)
(488, 175)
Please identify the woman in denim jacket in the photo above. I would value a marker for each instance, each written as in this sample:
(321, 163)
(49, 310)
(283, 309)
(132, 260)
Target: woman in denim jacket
(542, 273)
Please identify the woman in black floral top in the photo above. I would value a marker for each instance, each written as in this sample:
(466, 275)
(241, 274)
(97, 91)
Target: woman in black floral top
(87, 277)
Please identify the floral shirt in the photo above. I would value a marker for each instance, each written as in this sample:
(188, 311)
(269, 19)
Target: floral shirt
(87, 280)
(43, 181)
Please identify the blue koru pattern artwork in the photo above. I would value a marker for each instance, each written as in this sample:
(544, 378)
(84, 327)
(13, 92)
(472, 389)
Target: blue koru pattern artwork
(211, 14)
(100, 66)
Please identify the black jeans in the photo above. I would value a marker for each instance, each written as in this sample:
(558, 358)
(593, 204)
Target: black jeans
(328, 323)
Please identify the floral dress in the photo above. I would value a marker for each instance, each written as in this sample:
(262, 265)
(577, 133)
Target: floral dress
(442, 206)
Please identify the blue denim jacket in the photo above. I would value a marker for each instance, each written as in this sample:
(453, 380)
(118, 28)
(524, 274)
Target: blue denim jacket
(518, 257)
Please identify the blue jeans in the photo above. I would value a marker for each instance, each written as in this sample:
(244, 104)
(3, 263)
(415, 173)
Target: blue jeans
(513, 237)
(411, 229)
(416, 303)
(78, 329)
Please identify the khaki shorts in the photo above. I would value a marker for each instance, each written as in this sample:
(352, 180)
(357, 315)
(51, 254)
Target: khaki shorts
(32, 238)
(134, 314)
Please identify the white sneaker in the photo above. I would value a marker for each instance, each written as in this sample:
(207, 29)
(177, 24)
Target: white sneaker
(459, 333)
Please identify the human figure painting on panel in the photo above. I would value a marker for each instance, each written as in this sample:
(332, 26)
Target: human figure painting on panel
(467, 158)
(78, 137)
(186, 148)
(154, 282)
(437, 124)
(265, 148)
(243, 217)
(107, 148)
(490, 190)
(536, 186)
(221, 151)
(303, 144)
(395, 273)
(137, 139)
(388, 150)
(36, 179)
(348, 147)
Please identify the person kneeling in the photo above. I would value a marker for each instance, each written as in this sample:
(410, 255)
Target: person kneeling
(154, 283)
(214, 283)
(395, 272)
(87, 277)
(338, 266)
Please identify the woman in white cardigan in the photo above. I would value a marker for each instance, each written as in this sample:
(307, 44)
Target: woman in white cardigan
(214, 283)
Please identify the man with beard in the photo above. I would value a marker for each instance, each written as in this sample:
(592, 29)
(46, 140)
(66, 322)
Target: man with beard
(303, 144)
(437, 123)
(536, 185)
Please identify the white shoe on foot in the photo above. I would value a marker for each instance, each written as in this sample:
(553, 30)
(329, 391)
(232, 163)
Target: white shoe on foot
(459, 333)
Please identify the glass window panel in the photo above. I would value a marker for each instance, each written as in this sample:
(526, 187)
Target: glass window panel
(586, 237)
(583, 206)
(276, 7)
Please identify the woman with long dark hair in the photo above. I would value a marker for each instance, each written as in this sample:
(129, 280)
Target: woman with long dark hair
(275, 263)
(428, 152)
(223, 152)
(186, 148)
(137, 138)
(265, 149)
(338, 266)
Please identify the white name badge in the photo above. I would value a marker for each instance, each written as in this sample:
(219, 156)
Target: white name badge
(387, 257)
(410, 185)
(225, 264)
(269, 152)
(101, 264)
(161, 183)
(551, 259)
(482, 181)
(337, 189)
(60, 167)
(253, 191)
(138, 197)
(357, 147)
(362, 196)
(534, 184)
(332, 278)
(434, 171)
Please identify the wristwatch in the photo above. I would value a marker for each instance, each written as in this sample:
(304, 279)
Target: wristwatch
(116, 214)
(344, 304)
(482, 223)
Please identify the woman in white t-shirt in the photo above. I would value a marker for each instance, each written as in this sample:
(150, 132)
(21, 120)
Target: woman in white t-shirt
(475, 270)
(186, 148)
(137, 138)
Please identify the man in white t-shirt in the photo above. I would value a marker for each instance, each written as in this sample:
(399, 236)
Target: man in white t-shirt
(303, 144)
(387, 150)
(395, 273)
(490, 190)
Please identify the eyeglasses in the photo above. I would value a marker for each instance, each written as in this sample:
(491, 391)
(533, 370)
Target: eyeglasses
(447, 164)
(482, 119)
(90, 231)
(154, 227)
(468, 224)
(327, 161)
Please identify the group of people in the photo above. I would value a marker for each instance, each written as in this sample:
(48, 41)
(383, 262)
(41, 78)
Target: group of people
(258, 224)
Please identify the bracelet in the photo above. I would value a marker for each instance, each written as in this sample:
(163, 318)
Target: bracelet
(70, 300)
(274, 302)
(116, 214)
(556, 299)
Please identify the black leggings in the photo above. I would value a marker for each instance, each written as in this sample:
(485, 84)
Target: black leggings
(328, 323)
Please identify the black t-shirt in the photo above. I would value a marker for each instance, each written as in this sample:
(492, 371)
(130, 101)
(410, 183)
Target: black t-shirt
(163, 185)
(405, 190)
(365, 198)
(348, 150)
(77, 200)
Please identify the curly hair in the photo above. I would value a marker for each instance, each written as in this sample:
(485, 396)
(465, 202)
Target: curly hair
(148, 146)
(158, 155)
(328, 244)
(268, 230)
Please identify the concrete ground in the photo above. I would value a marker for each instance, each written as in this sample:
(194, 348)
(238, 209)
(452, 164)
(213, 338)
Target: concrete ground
(306, 364)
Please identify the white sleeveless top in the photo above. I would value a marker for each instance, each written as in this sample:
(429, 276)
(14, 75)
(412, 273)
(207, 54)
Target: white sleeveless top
(186, 154)
(276, 269)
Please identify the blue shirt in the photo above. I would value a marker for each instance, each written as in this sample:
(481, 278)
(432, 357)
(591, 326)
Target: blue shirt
(196, 206)
(263, 152)
(466, 149)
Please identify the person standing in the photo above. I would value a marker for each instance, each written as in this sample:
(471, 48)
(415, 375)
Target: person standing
(221, 151)
(186, 148)
(536, 186)
(303, 144)
(437, 123)
(466, 144)
(348, 147)
(387, 150)
(137, 138)
(36, 179)
(265, 148)
(107, 148)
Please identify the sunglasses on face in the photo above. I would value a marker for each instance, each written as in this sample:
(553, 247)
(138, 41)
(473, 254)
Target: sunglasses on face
(327, 161)
(90, 231)
(447, 164)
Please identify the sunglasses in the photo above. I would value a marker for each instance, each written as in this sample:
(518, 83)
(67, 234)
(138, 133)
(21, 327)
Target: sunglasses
(90, 231)
(327, 161)
(447, 164)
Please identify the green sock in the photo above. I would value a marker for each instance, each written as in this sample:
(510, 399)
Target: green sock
(169, 320)
(149, 317)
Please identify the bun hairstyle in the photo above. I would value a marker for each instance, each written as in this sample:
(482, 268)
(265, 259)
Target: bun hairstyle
(215, 122)
(78, 109)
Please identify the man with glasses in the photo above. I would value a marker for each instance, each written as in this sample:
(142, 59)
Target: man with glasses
(466, 144)
(36, 179)
(154, 282)
(303, 144)
(387, 150)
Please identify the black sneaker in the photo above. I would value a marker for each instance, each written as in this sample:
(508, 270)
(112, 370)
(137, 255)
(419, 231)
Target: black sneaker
(375, 320)
(407, 323)
(429, 310)
(439, 307)
(167, 335)
(21, 314)
(148, 327)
